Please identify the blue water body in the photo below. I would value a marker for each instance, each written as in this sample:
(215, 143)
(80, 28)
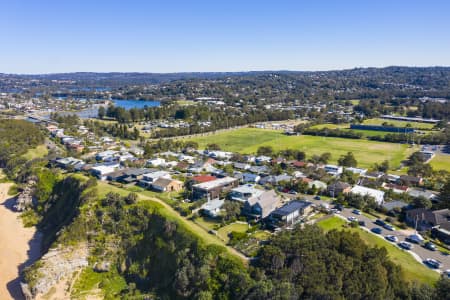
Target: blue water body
(127, 104)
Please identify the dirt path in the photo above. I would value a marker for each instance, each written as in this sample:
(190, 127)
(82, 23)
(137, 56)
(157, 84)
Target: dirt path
(19, 246)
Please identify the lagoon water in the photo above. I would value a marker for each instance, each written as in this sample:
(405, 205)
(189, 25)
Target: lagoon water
(127, 104)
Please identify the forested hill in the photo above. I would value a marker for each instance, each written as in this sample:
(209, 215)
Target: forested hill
(340, 84)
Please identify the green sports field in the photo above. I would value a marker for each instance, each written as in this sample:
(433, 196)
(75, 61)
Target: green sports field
(247, 140)
(441, 162)
(379, 121)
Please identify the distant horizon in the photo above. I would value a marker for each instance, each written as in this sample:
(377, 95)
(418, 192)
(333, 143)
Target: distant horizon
(225, 72)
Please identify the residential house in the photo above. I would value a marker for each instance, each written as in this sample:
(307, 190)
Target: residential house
(212, 208)
(241, 166)
(425, 219)
(364, 191)
(250, 178)
(373, 175)
(260, 170)
(333, 169)
(275, 179)
(203, 178)
(394, 204)
(105, 154)
(68, 162)
(320, 185)
(156, 162)
(167, 185)
(290, 213)
(101, 171)
(149, 178)
(442, 233)
(244, 192)
(411, 180)
(213, 189)
(356, 170)
(415, 192)
(262, 205)
(262, 159)
(396, 188)
(337, 188)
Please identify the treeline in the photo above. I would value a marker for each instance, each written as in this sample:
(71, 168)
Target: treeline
(349, 134)
(116, 130)
(218, 117)
(435, 138)
(16, 138)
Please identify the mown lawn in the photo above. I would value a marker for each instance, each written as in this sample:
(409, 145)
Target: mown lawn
(247, 140)
(379, 121)
(413, 270)
(38, 152)
(224, 231)
(441, 162)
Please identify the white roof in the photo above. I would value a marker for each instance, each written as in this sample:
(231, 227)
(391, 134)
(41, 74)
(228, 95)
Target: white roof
(104, 169)
(213, 204)
(362, 190)
(215, 183)
(247, 189)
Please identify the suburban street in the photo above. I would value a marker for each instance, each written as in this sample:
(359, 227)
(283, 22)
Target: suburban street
(420, 251)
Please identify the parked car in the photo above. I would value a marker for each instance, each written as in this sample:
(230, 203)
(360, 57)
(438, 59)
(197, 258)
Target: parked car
(432, 263)
(293, 192)
(389, 227)
(447, 273)
(317, 198)
(414, 238)
(352, 219)
(339, 207)
(392, 238)
(405, 245)
(362, 223)
(430, 246)
(377, 230)
(380, 222)
(356, 211)
(335, 211)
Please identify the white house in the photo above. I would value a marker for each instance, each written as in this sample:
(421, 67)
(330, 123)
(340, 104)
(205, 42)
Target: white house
(156, 162)
(356, 170)
(244, 192)
(333, 169)
(101, 171)
(364, 191)
(213, 207)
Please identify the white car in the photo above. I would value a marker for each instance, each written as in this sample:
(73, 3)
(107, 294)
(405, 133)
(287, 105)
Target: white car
(391, 238)
(352, 219)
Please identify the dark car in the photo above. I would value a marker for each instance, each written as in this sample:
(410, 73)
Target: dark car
(339, 207)
(380, 222)
(389, 227)
(356, 211)
(430, 246)
(432, 263)
(317, 198)
(377, 230)
(405, 245)
(362, 223)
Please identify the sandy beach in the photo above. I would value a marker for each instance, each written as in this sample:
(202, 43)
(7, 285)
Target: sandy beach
(19, 247)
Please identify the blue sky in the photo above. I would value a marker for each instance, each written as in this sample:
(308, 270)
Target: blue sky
(49, 36)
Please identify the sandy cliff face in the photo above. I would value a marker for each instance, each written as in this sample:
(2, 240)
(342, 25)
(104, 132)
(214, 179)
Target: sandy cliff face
(52, 276)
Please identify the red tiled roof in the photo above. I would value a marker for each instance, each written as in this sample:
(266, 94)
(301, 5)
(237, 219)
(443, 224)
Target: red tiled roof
(204, 178)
